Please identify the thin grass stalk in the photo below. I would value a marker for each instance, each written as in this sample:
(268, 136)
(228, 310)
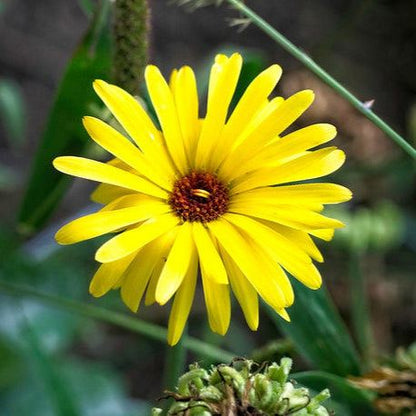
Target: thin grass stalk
(323, 75)
(149, 330)
(360, 312)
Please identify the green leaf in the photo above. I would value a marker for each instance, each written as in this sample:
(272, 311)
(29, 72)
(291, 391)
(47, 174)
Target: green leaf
(346, 400)
(12, 112)
(64, 133)
(318, 332)
(8, 179)
(10, 364)
(87, 7)
(56, 387)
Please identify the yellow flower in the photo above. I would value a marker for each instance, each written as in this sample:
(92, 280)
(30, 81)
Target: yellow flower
(208, 195)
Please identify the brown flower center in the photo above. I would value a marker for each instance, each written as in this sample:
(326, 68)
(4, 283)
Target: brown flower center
(199, 196)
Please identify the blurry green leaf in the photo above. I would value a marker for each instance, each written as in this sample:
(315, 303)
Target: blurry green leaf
(12, 112)
(64, 134)
(379, 228)
(10, 364)
(95, 390)
(62, 400)
(87, 6)
(8, 178)
(346, 400)
(56, 328)
(99, 391)
(318, 331)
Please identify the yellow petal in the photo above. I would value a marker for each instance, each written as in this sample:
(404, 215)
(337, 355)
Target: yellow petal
(209, 258)
(217, 302)
(281, 250)
(182, 302)
(275, 272)
(291, 109)
(186, 100)
(284, 314)
(243, 291)
(303, 139)
(172, 80)
(133, 200)
(277, 120)
(128, 241)
(129, 113)
(177, 264)
(257, 197)
(114, 142)
(104, 222)
(300, 238)
(291, 216)
(135, 121)
(102, 172)
(323, 193)
(165, 108)
(104, 193)
(252, 99)
(312, 165)
(256, 134)
(138, 274)
(221, 91)
(281, 150)
(108, 274)
(165, 242)
(241, 252)
(325, 235)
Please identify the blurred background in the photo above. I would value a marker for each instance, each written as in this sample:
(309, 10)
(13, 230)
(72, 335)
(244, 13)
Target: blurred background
(368, 45)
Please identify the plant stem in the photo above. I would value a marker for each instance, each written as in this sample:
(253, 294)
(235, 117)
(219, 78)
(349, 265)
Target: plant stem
(130, 43)
(360, 309)
(323, 75)
(175, 359)
(149, 330)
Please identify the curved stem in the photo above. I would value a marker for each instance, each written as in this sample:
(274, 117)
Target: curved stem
(323, 75)
(149, 330)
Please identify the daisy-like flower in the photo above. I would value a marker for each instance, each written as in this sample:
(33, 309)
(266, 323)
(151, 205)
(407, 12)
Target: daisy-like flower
(213, 195)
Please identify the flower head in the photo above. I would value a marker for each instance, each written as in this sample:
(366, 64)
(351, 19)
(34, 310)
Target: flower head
(214, 195)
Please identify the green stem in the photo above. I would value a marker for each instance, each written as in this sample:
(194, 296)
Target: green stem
(152, 331)
(359, 309)
(175, 359)
(323, 75)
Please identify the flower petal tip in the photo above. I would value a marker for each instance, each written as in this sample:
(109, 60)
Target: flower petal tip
(61, 162)
(172, 341)
(99, 84)
(254, 326)
(162, 296)
(61, 239)
(95, 290)
(284, 315)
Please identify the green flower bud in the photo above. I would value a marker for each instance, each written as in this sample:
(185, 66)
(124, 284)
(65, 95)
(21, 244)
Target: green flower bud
(243, 388)
(194, 377)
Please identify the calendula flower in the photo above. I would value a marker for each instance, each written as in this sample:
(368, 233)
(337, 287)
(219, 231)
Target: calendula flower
(213, 195)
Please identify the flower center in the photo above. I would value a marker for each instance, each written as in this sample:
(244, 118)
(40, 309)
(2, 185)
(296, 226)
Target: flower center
(199, 196)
